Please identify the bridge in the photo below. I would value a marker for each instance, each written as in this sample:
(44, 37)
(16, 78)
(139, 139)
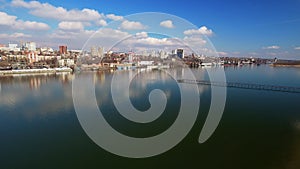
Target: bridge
(288, 89)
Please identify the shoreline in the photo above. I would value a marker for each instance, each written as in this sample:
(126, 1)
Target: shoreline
(69, 70)
(285, 65)
(34, 71)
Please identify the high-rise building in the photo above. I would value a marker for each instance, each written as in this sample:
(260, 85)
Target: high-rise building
(180, 53)
(13, 47)
(63, 50)
(174, 52)
(97, 52)
(31, 46)
(100, 52)
(163, 54)
(130, 57)
(93, 51)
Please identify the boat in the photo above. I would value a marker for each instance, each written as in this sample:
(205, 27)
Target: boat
(208, 64)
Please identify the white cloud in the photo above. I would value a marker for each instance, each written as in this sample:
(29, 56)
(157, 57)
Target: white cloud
(14, 35)
(25, 4)
(66, 25)
(132, 25)
(110, 33)
(141, 43)
(101, 22)
(74, 39)
(61, 34)
(114, 17)
(155, 41)
(141, 34)
(142, 40)
(105, 37)
(167, 24)
(201, 31)
(194, 41)
(119, 40)
(297, 48)
(138, 42)
(271, 47)
(11, 21)
(32, 25)
(100, 35)
(272, 54)
(222, 53)
(6, 19)
(198, 45)
(47, 10)
(253, 53)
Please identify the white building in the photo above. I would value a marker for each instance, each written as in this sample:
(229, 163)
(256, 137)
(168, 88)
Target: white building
(145, 53)
(174, 52)
(97, 52)
(163, 54)
(47, 50)
(130, 57)
(66, 62)
(45, 57)
(75, 51)
(13, 47)
(154, 53)
(32, 56)
(94, 51)
(31, 46)
(3, 48)
(145, 63)
(101, 52)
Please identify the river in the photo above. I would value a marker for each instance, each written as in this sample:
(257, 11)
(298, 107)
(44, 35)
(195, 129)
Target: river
(39, 127)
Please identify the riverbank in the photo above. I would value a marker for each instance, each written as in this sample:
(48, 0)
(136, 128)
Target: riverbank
(285, 65)
(34, 71)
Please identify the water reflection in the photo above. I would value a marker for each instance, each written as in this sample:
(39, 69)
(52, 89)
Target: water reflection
(36, 95)
(259, 129)
(142, 84)
(143, 80)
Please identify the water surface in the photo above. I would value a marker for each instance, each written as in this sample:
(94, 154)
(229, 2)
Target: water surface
(259, 129)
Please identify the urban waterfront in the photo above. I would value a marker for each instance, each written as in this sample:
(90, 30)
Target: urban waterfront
(259, 129)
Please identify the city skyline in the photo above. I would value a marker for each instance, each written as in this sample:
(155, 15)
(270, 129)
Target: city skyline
(256, 28)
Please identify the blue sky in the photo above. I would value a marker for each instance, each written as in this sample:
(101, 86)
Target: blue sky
(261, 28)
